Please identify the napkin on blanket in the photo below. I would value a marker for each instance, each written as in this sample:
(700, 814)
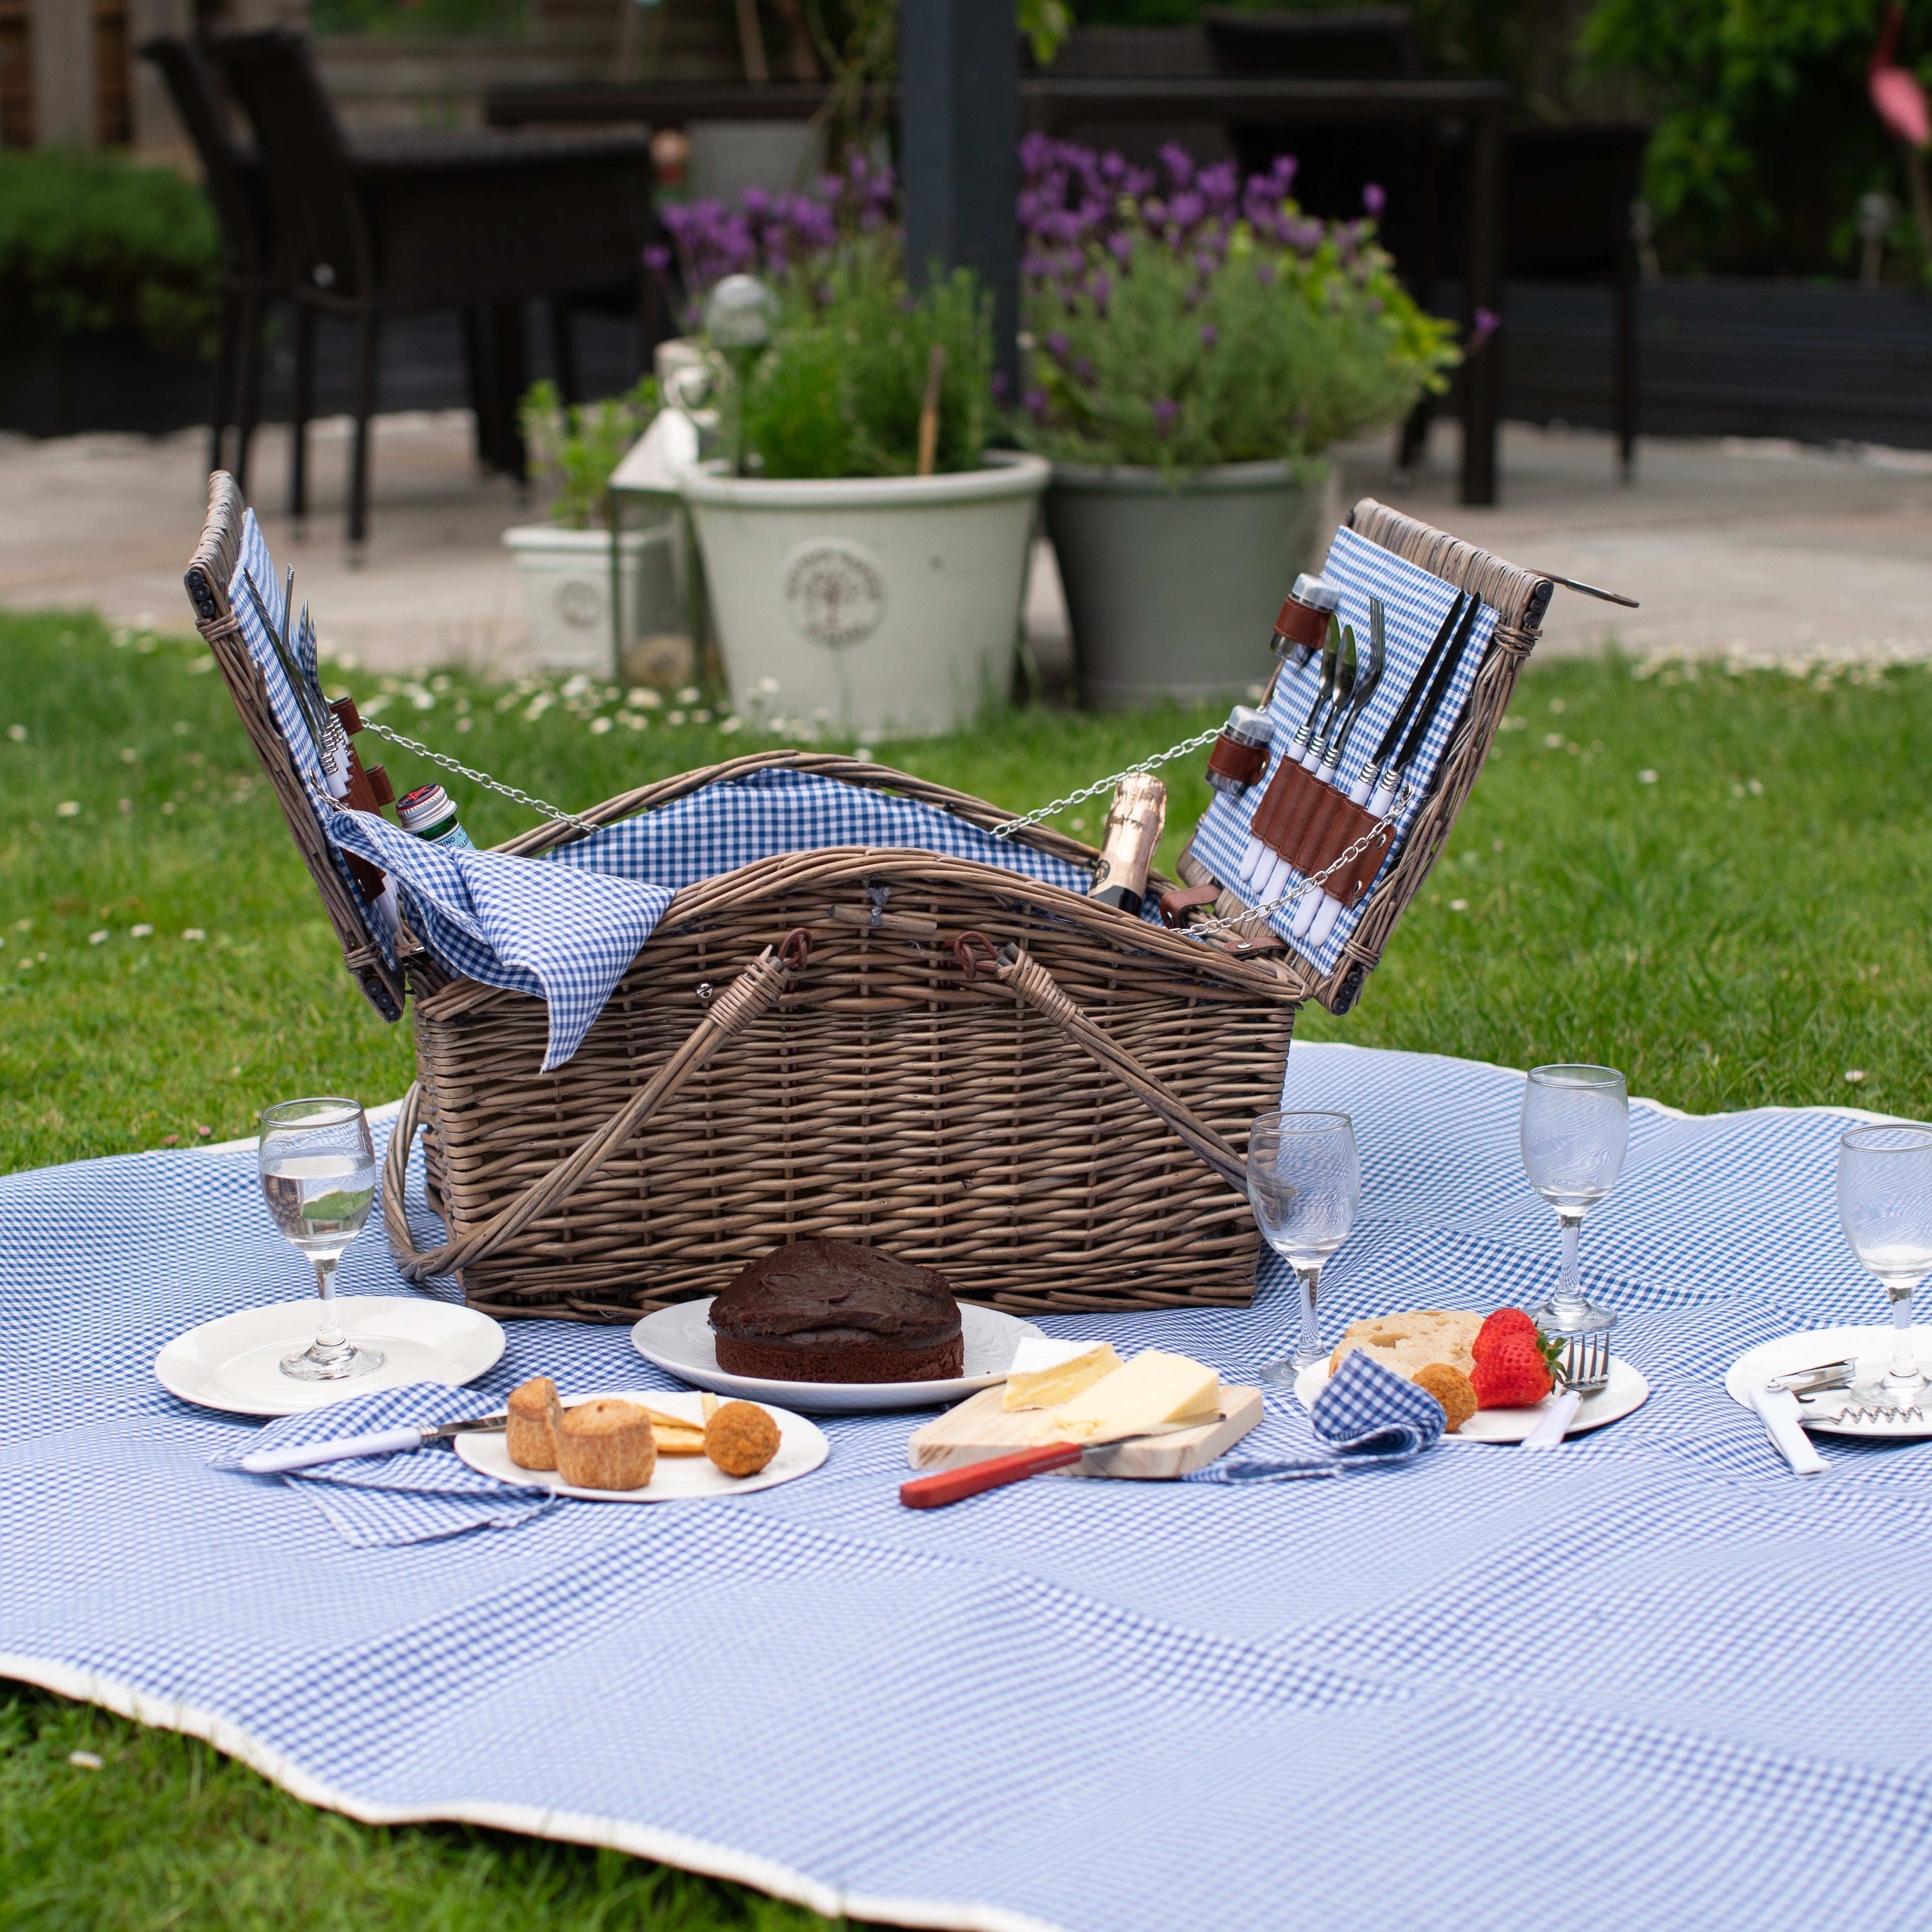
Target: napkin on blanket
(413, 1497)
(1367, 1415)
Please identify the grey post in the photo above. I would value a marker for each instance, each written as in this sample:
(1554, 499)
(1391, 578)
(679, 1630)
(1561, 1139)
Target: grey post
(959, 137)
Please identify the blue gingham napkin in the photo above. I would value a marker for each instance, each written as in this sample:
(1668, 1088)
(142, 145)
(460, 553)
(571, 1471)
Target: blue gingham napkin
(1367, 1415)
(416, 1496)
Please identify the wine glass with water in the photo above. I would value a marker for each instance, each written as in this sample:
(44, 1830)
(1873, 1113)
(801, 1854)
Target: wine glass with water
(318, 1169)
(1576, 1131)
(1885, 1205)
(1305, 1186)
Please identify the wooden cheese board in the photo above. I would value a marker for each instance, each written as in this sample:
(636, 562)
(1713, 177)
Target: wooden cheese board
(980, 1428)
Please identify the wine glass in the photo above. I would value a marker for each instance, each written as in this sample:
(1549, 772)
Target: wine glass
(318, 1169)
(1576, 1129)
(1305, 1186)
(1885, 1205)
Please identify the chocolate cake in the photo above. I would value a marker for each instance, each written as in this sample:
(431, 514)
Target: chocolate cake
(828, 1311)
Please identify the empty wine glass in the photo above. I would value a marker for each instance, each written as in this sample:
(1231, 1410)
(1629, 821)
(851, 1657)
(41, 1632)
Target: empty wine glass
(1305, 1186)
(1575, 1129)
(318, 1169)
(1885, 1205)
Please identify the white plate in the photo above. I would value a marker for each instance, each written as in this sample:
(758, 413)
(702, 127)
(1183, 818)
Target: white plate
(235, 1364)
(802, 1448)
(678, 1340)
(1626, 1389)
(1870, 1347)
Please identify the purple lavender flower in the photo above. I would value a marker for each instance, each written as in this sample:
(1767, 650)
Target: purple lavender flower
(1083, 368)
(1121, 246)
(1036, 403)
(1373, 199)
(1187, 210)
(1220, 186)
(1057, 346)
(1265, 272)
(1487, 323)
(1102, 289)
(657, 258)
(1178, 162)
(1164, 411)
(1210, 335)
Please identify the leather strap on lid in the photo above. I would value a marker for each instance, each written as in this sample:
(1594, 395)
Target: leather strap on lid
(1244, 763)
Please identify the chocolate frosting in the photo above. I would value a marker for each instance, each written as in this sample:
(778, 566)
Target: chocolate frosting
(816, 1293)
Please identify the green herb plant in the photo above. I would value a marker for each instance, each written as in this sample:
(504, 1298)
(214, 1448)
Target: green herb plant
(575, 449)
(840, 391)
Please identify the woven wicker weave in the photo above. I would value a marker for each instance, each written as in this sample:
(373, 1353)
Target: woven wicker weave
(1044, 1099)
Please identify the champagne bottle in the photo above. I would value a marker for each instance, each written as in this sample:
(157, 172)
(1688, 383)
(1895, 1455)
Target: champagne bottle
(1134, 821)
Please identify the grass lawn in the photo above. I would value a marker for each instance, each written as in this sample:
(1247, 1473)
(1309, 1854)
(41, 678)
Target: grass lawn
(1718, 883)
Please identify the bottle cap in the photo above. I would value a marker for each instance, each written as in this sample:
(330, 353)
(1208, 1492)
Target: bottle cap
(1317, 593)
(1247, 726)
(423, 807)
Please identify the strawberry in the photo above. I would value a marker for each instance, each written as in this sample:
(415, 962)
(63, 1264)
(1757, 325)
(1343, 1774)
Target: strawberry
(1504, 1322)
(1513, 1374)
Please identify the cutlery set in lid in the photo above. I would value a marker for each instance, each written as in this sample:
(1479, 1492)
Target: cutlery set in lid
(1318, 788)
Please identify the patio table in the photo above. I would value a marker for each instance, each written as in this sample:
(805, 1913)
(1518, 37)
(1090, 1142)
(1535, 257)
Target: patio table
(1649, 1678)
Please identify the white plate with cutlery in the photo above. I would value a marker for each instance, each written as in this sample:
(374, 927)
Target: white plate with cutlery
(1870, 1346)
(1626, 1390)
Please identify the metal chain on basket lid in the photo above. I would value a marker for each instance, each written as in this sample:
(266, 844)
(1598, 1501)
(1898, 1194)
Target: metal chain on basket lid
(539, 806)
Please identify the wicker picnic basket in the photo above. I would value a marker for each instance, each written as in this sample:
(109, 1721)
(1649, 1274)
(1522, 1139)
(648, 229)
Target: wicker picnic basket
(1045, 1099)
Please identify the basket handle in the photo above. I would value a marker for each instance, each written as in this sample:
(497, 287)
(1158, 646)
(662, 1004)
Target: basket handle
(755, 992)
(1024, 976)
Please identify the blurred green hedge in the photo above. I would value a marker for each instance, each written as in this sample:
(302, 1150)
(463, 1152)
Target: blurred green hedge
(92, 242)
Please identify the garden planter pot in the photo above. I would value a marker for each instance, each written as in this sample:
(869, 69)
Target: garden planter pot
(1170, 592)
(566, 579)
(877, 603)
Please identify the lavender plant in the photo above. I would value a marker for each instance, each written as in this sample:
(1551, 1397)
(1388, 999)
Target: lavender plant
(1180, 318)
(839, 392)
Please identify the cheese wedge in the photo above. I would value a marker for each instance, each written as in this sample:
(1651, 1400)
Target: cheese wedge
(1046, 1372)
(1155, 1391)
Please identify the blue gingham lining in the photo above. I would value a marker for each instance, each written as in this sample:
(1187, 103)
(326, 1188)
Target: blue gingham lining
(521, 923)
(1336, 1667)
(1414, 604)
(565, 926)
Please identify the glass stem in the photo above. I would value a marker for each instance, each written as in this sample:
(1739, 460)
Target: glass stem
(1904, 1359)
(1569, 1290)
(328, 1342)
(1308, 1349)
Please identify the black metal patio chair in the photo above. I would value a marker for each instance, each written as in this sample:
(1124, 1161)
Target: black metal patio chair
(481, 222)
(254, 271)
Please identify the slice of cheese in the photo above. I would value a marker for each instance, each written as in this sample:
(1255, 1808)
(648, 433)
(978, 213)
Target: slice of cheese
(1046, 1372)
(1155, 1391)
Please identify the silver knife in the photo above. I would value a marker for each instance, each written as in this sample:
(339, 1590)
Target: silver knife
(378, 1442)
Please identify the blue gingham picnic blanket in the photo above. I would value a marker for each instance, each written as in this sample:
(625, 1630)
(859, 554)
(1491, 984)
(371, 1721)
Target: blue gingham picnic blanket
(1412, 1697)
(1414, 604)
(564, 927)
